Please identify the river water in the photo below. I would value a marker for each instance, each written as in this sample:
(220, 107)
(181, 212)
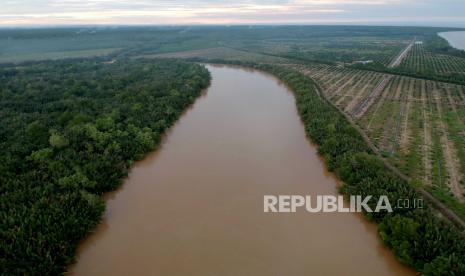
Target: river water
(195, 206)
(455, 39)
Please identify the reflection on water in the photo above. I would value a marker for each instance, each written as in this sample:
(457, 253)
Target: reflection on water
(455, 39)
(195, 207)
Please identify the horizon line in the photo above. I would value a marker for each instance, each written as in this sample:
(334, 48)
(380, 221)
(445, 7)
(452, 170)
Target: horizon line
(341, 23)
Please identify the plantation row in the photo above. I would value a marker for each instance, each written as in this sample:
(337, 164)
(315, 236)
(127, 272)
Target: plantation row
(384, 59)
(418, 125)
(427, 62)
(347, 88)
(423, 63)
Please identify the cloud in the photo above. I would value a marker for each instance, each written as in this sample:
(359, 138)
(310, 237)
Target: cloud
(219, 12)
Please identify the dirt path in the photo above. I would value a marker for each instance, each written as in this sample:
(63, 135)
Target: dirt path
(394, 131)
(343, 80)
(365, 105)
(320, 73)
(337, 91)
(383, 97)
(453, 104)
(462, 93)
(335, 77)
(388, 134)
(427, 140)
(329, 75)
(450, 154)
(405, 132)
(398, 60)
(443, 209)
(395, 143)
(358, 83)
(400, 86)
(362, 96)
(315, 74)
(457, 96)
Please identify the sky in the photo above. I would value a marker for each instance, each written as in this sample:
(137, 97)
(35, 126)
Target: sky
(166, 12)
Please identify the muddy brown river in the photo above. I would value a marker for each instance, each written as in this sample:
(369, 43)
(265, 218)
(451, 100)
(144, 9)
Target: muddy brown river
(195, 206)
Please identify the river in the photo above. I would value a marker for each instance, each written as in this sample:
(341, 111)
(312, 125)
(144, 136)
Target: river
(195, 206)
(455, 39)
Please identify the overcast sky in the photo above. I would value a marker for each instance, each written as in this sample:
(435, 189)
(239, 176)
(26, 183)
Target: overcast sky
(390, 12)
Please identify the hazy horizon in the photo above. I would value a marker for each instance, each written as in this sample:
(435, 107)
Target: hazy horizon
(370, 24)
(30, 13)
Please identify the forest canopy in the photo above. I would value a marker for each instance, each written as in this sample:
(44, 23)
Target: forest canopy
(69, 132)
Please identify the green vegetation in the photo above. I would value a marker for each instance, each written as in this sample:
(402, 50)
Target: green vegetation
(416, 124)
(433, 65)
(437, 44)
(11, 58)
(64, 121)
(430, 60)
(417, 236)
(69, 132)
(326, 44)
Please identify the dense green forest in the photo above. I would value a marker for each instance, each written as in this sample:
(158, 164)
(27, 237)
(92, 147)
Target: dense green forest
(418, 237)
(69, 132)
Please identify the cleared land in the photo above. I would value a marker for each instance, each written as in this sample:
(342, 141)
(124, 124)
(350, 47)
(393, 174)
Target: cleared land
(417, 124)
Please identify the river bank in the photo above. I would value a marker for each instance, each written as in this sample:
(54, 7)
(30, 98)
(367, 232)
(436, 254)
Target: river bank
(196, 206)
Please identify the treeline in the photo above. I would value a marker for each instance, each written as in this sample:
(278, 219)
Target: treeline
(428, 74)
(69, 131)
(417, 236)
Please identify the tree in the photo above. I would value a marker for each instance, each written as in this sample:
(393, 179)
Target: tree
(57, 141)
